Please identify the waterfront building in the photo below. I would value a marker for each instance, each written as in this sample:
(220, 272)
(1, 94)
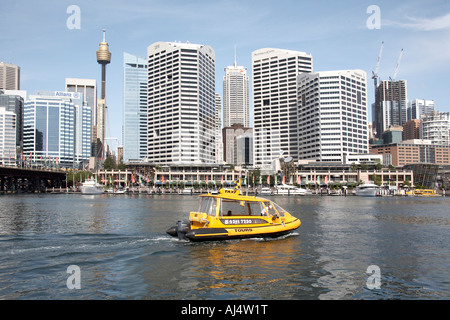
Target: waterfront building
(13, 100)
(390, 106)
(134, 107)
(7, 136)
(411, 129)
(235, 96)
(9, 76)
(231, 150)
(275, 111)
(181, 103)
(332, 116)
(413, 151)
(419, 107)
(435, 126)
(57, 128)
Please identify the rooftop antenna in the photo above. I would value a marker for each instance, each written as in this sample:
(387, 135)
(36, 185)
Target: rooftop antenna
(235, 63)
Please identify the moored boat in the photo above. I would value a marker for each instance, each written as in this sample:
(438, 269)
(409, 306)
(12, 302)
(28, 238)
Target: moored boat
(423, 193)
(285, 189)
(367, 189)
(230, 215)
(90, 186)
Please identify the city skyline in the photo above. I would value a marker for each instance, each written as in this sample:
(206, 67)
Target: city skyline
(336, 34)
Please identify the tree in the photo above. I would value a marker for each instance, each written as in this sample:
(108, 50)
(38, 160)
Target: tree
(109, 164)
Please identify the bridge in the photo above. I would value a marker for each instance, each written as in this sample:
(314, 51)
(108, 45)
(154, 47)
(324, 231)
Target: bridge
(14, 179)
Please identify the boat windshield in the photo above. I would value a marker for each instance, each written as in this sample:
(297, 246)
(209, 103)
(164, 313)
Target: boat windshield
(241, 208)
(208, 206)
(280, 210)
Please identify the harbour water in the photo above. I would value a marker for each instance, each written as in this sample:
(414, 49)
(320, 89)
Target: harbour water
(121, 250)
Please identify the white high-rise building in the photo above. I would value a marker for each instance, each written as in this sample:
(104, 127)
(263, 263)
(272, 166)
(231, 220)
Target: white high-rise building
(275, 115)
(235, 96)
(181, 103)
(333, 120)
(219, 142)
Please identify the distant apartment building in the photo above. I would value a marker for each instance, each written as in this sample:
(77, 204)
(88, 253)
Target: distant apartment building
(275, 111)
(235, 96)
(435, 126)
(419, 107)
(332, 115)
(134, 107)
(390, 106)
(57, 125)
(413, 151)
(9, 76)
(181, 103)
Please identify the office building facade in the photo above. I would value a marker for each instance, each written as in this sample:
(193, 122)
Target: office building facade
(7, 136)
(134, 107)
(181, 103)
(235, 96)
(275, 113)
(57, 127)
(333, 119)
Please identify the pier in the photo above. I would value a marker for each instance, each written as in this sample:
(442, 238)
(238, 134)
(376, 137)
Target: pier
(13, 180)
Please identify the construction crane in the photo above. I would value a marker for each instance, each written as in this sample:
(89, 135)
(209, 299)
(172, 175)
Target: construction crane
(394, 75)
(375, 73)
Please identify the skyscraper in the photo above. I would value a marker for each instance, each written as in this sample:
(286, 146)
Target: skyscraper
(390, 106)
(275, 113)
(235, 96)
(333, 121)
(9, 76)
(219, 143)
(181, 103)
(134, 107)
(88, 89)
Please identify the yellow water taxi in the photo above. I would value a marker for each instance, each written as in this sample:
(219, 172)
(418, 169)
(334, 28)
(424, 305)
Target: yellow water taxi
(230, 215)
(423, 193)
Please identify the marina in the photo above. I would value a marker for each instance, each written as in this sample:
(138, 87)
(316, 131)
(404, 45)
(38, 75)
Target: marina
(122, 250)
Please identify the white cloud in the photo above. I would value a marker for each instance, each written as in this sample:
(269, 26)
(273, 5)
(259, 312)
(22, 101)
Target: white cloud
(423, 24)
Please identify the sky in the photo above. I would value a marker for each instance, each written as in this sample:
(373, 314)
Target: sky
(50, 41)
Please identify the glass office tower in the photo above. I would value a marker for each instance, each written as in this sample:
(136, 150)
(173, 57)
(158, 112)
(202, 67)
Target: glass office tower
(134, 107)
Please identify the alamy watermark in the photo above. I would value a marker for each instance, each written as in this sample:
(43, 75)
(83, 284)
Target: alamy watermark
(374, 20)
(74, 280)
(74, 20)
(374, 280)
